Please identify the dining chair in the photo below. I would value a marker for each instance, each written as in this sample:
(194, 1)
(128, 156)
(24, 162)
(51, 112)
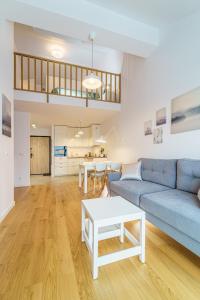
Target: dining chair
(98, 173)
(115, 167)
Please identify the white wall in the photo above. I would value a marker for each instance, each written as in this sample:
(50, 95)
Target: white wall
(6, 143)
(22, 149)
(149, 85)
(40, 131)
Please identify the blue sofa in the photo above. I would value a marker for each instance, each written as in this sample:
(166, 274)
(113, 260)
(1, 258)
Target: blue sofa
(168, 195)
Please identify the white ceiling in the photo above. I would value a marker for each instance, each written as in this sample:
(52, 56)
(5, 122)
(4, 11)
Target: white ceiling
(44, 115)
(78, 17)
(152, 12)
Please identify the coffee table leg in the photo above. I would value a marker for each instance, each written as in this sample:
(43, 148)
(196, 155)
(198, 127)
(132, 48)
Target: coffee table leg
(142, 239)
(122, 232)
(83, 224)
(95, 252)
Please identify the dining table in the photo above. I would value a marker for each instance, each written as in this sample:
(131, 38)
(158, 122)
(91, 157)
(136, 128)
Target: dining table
(86, 166)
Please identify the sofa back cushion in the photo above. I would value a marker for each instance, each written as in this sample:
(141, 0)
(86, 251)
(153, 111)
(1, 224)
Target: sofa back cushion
(188, 175)
(161, 171)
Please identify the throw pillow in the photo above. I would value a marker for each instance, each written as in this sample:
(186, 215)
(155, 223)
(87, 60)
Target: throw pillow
(131, 171)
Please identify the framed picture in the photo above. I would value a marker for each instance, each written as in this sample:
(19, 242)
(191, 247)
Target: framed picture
(158, 135)
(185, 115)
(161, 117)
(148, 128)
(6, 116)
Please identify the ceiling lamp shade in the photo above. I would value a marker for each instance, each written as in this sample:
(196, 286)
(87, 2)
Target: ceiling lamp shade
(91, 82)
(101, 140)
(80, 132)
(77, 135)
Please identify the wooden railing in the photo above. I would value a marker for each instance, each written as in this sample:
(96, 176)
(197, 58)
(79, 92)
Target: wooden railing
(37, 74)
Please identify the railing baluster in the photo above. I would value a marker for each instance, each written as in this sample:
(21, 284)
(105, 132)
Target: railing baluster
(65, 79)
(101, 86)
(28, 73)
(22, 72)
(106, 87)
(54, 77)
(47, 77)
(70, 80)
(87, 89)
(41, 75)
(76, 82)
(35, 76)
(119, 88)
(115, 88)
(59, 79)
(110, 87)
(15, 84)
(81, 82)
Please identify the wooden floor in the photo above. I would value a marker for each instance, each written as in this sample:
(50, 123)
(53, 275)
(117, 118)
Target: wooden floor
(42, 257)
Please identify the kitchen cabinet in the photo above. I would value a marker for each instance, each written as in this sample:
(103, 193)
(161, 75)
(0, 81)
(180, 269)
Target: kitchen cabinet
(95, 134)
(67, 166)
(60, 136)
(65, 136)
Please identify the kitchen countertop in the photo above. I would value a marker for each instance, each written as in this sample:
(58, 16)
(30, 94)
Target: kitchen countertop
(84, 157)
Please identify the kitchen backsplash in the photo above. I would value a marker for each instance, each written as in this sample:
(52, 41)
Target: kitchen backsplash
(81, 152)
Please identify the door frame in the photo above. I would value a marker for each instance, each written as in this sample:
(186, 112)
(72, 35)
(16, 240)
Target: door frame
(45, 136)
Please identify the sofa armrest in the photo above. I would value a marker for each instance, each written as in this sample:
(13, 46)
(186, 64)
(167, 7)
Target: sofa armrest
(114, 176)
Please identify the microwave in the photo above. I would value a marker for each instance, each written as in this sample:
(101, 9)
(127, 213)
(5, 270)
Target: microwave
(60, 151)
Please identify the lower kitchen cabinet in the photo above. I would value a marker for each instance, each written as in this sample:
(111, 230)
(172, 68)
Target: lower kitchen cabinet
(67, 166)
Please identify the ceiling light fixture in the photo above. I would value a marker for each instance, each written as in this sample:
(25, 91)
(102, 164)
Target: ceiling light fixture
(101, 140)
(91, 81)
(57, 53)
(80, 132)
(34, 125)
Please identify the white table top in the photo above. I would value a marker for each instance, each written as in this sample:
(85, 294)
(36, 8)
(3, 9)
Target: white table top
(88, 163)
(110, 207)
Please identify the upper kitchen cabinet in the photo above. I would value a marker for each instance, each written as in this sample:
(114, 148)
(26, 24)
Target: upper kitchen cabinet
(65, 136)
(61, 136)
(95, 134)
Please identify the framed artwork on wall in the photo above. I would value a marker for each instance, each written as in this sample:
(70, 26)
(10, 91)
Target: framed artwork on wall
(161, 117)
(148, 128)
(6, 116)
(158, 135)
(185, 112)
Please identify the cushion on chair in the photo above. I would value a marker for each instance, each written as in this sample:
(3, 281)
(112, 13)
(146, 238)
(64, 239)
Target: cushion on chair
(188, 175)
(161, 171)
(177, 208)
(131, 190)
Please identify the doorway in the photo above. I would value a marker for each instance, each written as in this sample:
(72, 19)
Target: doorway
(40, 155)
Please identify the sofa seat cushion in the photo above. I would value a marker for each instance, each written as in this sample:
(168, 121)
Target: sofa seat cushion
(177, 208)
(131, 190)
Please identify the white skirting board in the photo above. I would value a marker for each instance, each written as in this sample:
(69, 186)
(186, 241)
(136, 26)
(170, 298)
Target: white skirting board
(6, 211)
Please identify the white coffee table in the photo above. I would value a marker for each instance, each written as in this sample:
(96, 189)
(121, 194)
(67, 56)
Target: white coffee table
(104, 218)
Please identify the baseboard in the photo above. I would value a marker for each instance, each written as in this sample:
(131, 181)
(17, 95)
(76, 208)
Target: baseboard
(6, 211)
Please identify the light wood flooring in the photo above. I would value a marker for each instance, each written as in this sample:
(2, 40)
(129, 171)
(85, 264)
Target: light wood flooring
(42, 257)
